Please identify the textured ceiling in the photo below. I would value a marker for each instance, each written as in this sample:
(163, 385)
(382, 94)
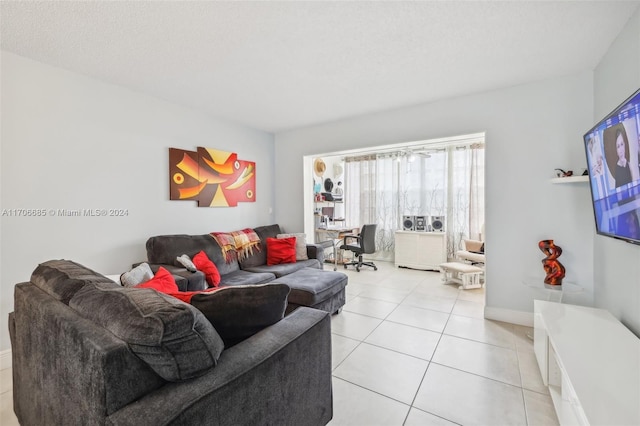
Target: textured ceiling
(280, 65)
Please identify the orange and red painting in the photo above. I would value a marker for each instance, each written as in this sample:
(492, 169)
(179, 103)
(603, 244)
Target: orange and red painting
(211, 177)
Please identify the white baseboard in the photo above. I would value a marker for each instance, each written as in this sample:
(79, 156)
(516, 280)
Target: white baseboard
(5, 359)
(508, 315)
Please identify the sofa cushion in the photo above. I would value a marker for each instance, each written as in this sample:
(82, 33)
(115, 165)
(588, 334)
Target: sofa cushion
(204, 264)
(286, 268)
(172, 337)
(259, 256)
(241, 277)
(162, 281)
(163, 249)
(281, 250)
(268, 231)
(239, 312)
(310, 286)
(63, 278)
(301, 244)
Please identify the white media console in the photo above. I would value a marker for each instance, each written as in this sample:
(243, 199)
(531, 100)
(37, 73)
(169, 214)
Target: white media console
(590, 362)
(420, 250)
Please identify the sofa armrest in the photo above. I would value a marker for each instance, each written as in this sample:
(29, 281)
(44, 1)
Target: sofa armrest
(283, 370)
(70, 371)
(186, 281)
(316, 251)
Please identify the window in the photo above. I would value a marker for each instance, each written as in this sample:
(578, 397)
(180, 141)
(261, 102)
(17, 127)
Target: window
(448, 181)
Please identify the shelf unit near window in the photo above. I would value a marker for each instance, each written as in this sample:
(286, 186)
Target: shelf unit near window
(320, 204)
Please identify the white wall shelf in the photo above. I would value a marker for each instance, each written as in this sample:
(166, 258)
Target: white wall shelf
(570, 179)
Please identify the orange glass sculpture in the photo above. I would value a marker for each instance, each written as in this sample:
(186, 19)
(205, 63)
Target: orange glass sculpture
(551, 264)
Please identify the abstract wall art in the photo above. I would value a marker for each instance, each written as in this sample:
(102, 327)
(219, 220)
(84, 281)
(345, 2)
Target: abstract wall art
(211, 177)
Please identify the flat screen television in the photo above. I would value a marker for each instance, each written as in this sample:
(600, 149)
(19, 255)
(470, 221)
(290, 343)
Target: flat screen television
(612, 147)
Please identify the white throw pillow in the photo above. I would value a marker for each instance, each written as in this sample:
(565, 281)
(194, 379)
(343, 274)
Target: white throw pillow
(137, 275)
(185, 261)
(301, 244)
(473, 245)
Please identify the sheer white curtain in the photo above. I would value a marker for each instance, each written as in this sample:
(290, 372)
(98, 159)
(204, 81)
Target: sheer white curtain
(447, 182)
(366, 193)
(465, 206)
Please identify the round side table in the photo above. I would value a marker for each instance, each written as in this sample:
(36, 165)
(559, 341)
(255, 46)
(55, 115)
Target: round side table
(553, 293)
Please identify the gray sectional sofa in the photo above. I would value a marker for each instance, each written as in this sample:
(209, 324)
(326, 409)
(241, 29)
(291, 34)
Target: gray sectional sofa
(310, 285)
(87, 351)
(163, 250)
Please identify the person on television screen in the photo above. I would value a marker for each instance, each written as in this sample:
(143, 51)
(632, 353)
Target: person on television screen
(623, 171)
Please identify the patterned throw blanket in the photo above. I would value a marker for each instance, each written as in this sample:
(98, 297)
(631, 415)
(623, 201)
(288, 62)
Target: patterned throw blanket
(237, 244)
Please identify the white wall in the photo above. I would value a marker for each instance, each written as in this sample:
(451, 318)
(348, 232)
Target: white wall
(616, 263)
(71, 142)
(530, 130)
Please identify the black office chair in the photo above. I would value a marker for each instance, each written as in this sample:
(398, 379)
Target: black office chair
(364, 243)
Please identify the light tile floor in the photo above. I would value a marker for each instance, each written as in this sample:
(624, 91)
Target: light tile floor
(7, 418)
(410, 350)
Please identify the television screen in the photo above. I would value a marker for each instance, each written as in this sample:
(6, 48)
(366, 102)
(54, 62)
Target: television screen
(613, 160)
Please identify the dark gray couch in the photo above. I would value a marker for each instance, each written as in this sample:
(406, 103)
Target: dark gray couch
(163, 250)
(84, 353)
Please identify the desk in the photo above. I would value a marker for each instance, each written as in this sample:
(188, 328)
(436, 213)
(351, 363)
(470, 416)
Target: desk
(334, 234)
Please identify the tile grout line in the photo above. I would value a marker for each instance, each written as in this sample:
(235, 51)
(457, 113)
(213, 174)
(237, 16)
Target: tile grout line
(373, 391)
(427, 369)
(524, 400)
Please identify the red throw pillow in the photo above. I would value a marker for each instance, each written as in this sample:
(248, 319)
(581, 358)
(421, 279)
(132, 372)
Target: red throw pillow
(281, 250)
(162, 281)
(186, 296)
(204, 264)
